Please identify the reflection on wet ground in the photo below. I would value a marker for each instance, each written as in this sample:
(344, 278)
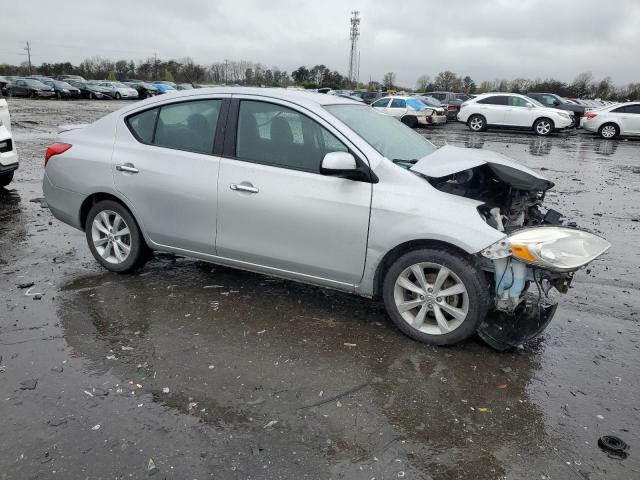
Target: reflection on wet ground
(216, 373)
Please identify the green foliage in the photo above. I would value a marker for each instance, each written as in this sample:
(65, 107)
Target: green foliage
(111, 76)
(168, 76)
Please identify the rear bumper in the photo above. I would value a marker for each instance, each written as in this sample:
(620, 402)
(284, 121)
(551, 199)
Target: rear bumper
(8, 153)
(64, 204)
(588, 125)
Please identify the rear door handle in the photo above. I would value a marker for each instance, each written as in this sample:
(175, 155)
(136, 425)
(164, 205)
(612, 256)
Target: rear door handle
(240, 187)
(127, 167)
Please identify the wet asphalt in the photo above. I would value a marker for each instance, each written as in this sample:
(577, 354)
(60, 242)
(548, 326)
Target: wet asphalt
(187, 370)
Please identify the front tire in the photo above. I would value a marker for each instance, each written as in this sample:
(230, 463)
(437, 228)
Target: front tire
(5, 179)
(114, 237)
(609, 131)
(118, 96)
(477, 123)
(435, 296)
(543, 127)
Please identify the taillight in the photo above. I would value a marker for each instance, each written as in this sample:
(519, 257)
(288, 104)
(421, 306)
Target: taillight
(451, 107)
(589, 116)
(55, 149)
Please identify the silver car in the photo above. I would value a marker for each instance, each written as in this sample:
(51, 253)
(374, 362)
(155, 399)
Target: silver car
(322, 190)
(118, 90)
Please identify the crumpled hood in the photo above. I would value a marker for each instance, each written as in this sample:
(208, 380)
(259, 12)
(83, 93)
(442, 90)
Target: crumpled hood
(448, 160)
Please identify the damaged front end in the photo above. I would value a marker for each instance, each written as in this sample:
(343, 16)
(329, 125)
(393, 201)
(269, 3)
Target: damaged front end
(537, 253)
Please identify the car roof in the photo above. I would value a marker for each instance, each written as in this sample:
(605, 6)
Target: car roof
(301, 97)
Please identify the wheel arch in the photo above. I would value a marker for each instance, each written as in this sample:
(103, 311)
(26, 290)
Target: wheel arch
(96, 197)
(399, 250)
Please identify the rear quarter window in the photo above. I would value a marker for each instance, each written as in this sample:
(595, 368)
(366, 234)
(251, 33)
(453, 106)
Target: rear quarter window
(143, 124)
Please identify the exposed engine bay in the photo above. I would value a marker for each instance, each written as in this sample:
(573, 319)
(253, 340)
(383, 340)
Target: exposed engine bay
(512, 199)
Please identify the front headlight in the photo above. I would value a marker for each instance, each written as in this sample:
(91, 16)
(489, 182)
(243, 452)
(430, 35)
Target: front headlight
(556, 248)
(563, 114)
(65, 90)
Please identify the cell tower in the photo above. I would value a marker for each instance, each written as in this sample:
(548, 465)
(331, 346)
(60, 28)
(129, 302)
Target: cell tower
(354, 34)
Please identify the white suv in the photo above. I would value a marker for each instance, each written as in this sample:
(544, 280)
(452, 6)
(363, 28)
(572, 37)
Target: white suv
(8, 154)
(510, 110)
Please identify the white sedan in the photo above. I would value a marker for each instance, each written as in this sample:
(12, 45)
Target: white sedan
(8, 154)
(409, 110)
(510, 110)
(614, 120)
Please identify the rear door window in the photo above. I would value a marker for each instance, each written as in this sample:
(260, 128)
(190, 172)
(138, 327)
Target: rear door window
(186, 126)
(495, 100)
(398, 103)
(382, 103)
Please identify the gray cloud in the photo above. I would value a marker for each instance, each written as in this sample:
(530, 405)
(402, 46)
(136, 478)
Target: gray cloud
(486, 40)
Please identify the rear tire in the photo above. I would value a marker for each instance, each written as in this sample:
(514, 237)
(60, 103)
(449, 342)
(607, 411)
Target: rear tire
(477, 123)
(409, 121)
(543, 127)
(5, 179)
(418, 308)
(114, 237)
(609, 131)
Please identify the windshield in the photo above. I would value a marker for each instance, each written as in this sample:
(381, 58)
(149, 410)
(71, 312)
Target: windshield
(120, 85)
(431, 101)
(416, 104)
(535, 102)
(33, 83)
(387, 135)
(62, 84)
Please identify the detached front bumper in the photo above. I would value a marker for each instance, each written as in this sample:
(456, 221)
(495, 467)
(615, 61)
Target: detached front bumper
(438, 119)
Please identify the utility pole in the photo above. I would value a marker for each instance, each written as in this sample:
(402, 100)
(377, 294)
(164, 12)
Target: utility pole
(28, 49)
(354, 34)
(226, 67)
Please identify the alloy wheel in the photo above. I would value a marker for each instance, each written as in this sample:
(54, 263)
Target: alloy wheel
(111, 236)
(476, 124)
(543, 127)
(431, 298)
(608, 131)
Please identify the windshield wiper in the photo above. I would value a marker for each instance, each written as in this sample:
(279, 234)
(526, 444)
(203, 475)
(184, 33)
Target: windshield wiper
(411, 161)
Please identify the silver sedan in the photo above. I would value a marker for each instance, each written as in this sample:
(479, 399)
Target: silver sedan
(323, 190)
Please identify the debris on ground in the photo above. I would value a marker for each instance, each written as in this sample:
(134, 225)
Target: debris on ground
(151, 467)
(26, 285)
(29, 384)
(614, 446)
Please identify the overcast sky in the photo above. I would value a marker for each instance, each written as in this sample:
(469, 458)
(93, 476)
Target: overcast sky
(485, 39)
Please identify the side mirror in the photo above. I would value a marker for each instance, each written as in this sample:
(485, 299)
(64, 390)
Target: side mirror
(529, 105)
(556, 103)
(344, 165)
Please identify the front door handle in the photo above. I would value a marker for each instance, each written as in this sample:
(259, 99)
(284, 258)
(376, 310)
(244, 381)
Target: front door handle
(240, 187)
(127, 167)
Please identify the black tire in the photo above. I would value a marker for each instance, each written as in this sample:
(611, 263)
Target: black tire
(5, 179)
(139, 252)
(604, 132)
(410, 121)
(543, 127)
(470, 276)
(118, 96)
(58, 95)
(477, 123)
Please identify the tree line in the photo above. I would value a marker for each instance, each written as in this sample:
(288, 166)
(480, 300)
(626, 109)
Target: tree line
(585, 85)
(319, 76)
(187, 71)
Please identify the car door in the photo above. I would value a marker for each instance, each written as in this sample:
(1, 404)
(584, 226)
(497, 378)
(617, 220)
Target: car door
(164, 164)
(493, 108)
(628, 117)
(21, 88)
(518, 112)
(397, 108)
(276, 211)
(381, 104)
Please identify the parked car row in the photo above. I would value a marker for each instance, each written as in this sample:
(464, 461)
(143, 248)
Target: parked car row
(75, 86)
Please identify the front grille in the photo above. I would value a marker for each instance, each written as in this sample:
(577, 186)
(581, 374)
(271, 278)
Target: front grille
(6, 146)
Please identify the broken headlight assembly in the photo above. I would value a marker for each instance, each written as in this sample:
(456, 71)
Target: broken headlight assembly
(558, 249)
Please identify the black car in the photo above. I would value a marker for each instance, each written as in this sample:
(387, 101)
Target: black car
(29, 87)
(90, 90)
(144, 89)
(369, 97)
(4, 81)
(62, 89)
(556, 101)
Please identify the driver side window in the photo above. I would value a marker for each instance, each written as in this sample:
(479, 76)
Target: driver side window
(382, 103)
(271, 134)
